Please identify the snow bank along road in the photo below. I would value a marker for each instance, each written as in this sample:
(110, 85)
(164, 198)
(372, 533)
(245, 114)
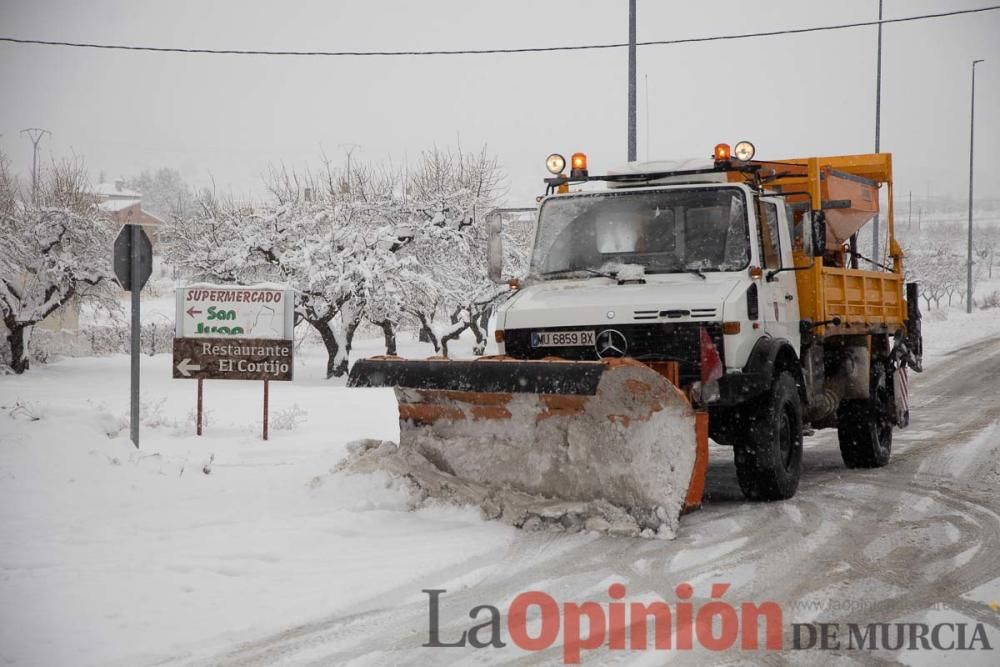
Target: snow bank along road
(918, 541)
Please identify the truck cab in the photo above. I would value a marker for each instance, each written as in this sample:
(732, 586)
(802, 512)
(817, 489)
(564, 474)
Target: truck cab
(639, 271)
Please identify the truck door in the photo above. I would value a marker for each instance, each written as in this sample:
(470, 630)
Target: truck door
(779, 297)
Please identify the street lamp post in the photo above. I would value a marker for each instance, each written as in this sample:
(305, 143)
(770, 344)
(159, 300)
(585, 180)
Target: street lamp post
(878, 121)
(972, 137)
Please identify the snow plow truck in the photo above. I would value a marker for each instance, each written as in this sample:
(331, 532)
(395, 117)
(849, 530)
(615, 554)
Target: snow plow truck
(670, 302)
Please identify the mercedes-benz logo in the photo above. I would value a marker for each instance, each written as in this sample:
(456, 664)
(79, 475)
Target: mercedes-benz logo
(611, 343)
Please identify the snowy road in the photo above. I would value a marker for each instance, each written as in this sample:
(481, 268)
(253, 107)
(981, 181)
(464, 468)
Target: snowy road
(917, 541)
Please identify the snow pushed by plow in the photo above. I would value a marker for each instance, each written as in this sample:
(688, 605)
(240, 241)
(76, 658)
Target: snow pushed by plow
(618, 462)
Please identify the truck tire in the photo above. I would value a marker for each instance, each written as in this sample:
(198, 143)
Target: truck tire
(864, 427)
(769, 459)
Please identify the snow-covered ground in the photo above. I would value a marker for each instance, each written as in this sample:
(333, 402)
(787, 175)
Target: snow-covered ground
(949, 329)
(109, 553)
(192, 545)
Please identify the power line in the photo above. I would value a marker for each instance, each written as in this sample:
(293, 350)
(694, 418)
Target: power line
(458, 52)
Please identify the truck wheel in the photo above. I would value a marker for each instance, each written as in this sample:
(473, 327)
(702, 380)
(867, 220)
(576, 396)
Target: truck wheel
(769, 459)
(864, 427)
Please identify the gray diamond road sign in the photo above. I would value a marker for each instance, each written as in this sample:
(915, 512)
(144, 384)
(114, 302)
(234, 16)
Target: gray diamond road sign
(123, 257)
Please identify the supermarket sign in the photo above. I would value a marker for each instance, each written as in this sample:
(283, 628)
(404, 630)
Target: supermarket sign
(235, 311)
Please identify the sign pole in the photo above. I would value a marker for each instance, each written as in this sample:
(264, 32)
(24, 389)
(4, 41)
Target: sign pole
(266, 383)
(136, 286)
(199, 407)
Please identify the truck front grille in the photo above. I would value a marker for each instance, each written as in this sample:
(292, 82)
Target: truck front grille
(660, 341)
(674, 314)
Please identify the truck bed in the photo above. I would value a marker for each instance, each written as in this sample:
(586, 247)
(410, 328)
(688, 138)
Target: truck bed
(864, 301)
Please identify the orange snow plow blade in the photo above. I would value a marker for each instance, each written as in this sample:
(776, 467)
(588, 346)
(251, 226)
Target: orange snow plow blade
(613, 431)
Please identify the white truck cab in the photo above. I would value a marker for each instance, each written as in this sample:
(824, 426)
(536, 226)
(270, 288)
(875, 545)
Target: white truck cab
(639, 271)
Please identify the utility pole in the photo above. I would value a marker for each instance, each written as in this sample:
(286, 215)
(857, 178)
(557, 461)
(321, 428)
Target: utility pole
(878, 120)
(972, 136)
(909, 215)
(35, 134)
(645, 113)
(631, 81)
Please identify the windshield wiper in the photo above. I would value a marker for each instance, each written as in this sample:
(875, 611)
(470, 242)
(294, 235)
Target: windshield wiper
(593, 272)
(674, 268)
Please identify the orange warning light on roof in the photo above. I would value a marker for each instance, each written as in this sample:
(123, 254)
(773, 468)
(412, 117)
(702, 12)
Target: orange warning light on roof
(722, 152)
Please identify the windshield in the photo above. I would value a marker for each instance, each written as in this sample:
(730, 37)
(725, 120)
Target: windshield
(664, 231)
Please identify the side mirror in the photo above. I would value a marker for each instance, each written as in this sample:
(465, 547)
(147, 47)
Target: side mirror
(494, 248)
(818, 233)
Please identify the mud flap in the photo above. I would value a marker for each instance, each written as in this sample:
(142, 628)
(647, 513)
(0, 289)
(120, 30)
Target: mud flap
(901, 392)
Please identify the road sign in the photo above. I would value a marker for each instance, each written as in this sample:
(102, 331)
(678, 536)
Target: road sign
(233, 359)
(235, 311)
(123, 256)
(234, 332)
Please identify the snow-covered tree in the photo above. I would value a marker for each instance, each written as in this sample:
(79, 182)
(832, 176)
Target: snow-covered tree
(938, 269)
(332, 244)
(986, 242)
(362, 246)
(450, 195)
(55, 249)
(236, 242)
(165, 193)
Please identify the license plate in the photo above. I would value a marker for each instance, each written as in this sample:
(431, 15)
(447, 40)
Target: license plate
(562, 338)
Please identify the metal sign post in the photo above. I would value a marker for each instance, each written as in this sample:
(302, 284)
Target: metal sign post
(133, 262)
(198, 418)
(265, 410)
(135, 279)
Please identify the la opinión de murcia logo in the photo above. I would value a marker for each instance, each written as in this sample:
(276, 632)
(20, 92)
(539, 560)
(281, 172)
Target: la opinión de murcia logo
(535, 621)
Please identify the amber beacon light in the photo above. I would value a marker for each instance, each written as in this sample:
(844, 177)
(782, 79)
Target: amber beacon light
(578, 164)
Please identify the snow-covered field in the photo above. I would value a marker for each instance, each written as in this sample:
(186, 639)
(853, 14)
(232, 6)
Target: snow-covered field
(109, 553)
(192, 545)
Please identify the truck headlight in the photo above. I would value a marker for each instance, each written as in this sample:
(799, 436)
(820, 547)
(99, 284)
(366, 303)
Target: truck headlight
(555, 163)
(744, 151)
(706, 393)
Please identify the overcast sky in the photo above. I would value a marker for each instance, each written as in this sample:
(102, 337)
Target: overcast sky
(228, 116)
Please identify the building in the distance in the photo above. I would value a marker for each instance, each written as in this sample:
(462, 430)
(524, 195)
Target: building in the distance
(125, 207)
